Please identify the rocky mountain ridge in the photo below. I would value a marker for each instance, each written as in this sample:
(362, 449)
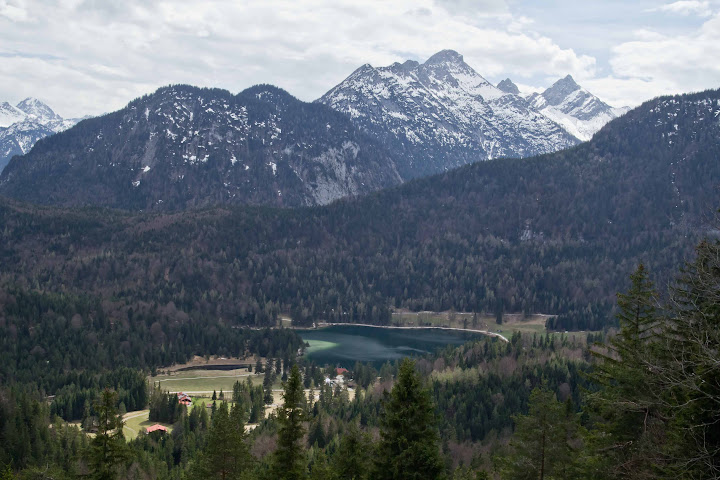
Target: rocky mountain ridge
(577, 110)
(184, 146)
(442, 114)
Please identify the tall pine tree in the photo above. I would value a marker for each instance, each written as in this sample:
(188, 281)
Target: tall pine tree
(108, 449)
(226, 456)
(546, 441)
(688, 369)
(625, 403)
(409, 439)
(289, 458)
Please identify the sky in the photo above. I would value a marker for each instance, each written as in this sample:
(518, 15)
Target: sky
(87, 57)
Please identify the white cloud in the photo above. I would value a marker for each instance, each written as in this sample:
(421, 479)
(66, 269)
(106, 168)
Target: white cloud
(663, 64)
(86, 56)
(91, 57)
(13, 10)
(686, 7)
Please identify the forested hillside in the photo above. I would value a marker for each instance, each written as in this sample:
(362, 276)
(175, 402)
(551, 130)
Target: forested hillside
(556, 234)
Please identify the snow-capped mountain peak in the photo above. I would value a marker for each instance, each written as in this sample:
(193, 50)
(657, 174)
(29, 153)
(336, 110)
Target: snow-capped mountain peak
(442, 114)
(561, 90)
(23, 125)
(508, 86)
(445, 57)
(38, 110)
(578, 111)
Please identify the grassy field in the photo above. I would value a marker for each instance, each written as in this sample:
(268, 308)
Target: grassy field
(512, 322)
(203, 381)
(136, 421)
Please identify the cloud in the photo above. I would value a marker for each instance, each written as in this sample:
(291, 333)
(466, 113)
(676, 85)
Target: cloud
(13, 10)
(686, 7)
(670, 63)
(93, 56)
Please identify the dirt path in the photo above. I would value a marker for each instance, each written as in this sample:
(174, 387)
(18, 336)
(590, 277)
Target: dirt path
(135, 414)
(180, 379)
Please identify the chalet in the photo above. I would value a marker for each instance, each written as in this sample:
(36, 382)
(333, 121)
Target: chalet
(341, 371)
(156, 428)
(184, 399)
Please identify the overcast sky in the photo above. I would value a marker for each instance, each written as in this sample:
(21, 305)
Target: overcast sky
(93, 56)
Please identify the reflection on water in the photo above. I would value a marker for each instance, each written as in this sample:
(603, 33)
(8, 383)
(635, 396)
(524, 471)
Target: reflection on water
(345, 345)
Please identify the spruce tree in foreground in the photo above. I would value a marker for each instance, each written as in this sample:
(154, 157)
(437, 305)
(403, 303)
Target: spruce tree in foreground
(546, 441)
(289, 458)
(352, 459)
(409, 438)
(108, 449)
(688, 369)
(226, 456)
(626, 402)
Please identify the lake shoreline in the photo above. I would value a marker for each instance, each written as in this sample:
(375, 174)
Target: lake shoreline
(488, 333)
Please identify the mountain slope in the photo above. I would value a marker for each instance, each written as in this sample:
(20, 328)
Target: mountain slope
(556, 234)
(442, 114)
(184, 146)
(23, 125)
(10, 115)
(578, 111)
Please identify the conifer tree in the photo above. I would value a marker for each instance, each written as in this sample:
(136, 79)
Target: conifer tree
(626, 401)
(268, 382)
(108, 449)
(545, 441)
(409, 439)
(289, 458)
(226, 456)
(352, 459)
(688, 369)
(319, 468)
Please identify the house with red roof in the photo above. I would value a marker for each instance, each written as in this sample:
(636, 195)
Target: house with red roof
(156, 428)
(184, 399)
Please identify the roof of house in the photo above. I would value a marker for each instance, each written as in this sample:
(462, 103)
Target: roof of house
(156, 427)
(341, 370)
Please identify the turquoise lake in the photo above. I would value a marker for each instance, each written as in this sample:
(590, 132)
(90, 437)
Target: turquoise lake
(345, 344)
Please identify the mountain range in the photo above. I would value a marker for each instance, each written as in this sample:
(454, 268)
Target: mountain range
(21, 126)
(441, 114)
(184, 147)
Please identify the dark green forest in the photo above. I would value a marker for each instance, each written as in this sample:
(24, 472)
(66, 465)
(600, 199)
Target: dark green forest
(556, 234)
(641, 403)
